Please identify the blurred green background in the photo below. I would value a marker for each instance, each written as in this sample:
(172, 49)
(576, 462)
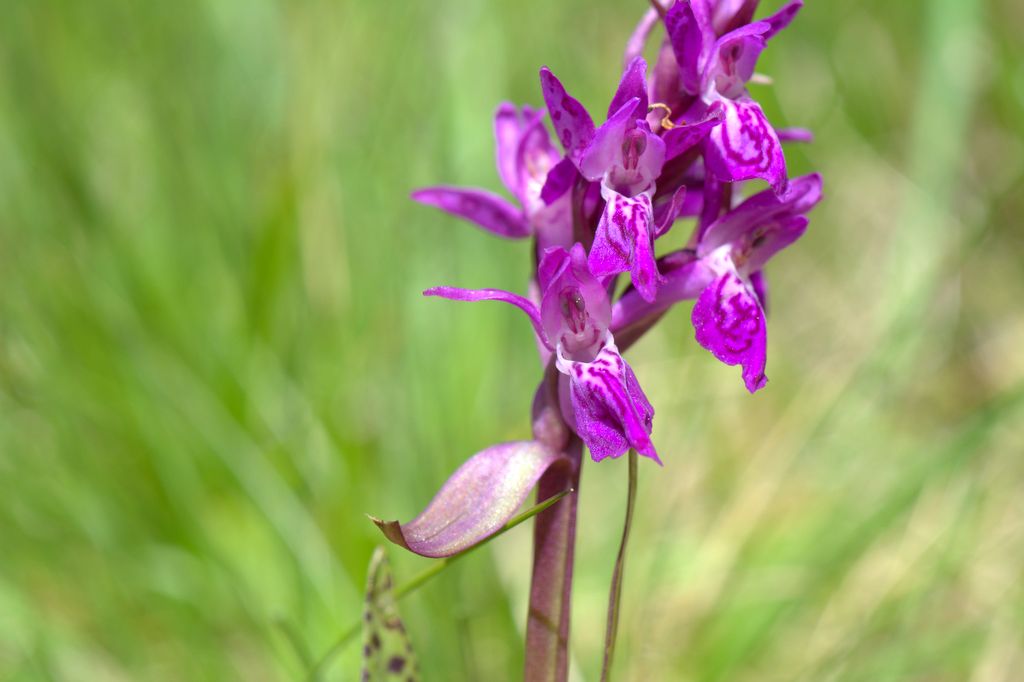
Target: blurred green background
(214, 357)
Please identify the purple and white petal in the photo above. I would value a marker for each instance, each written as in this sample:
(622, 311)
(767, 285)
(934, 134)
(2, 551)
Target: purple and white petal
(624, 241)
(730, 323)
(473, 295)
(478, 499)
(488, 210)
(745, 146)
(609, 409)
(571, 121)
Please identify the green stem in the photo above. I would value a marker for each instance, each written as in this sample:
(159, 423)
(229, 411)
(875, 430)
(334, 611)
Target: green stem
(615, 597)
(419, 580)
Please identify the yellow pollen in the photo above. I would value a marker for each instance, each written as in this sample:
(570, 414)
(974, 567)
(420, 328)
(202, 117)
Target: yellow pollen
(666, 120)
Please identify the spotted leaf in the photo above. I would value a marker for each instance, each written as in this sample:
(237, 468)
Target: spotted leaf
(387, 651)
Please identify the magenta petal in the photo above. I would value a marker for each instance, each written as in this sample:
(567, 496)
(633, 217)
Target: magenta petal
(508, 129)
(478, 499)
(730, 323)
(762, 213)
(633, 85)
(670, 212)
(638, 40)
(734, 57)
(571, 121)
(574, 306)
(794, 135)
(611, 412)
(730, 14)
(781, 19)
(760, 285)
(473, 295)
(624, 241)
(605, 148)
(688, 41)
(745, 146)
(559, 181)
(681, 138)
(490, 211)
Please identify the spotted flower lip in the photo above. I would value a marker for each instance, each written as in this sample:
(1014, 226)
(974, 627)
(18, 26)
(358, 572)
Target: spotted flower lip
(609, 409)
(724, 274)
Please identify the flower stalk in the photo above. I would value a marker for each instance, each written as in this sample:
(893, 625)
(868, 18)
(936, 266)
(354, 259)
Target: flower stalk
(615, 595)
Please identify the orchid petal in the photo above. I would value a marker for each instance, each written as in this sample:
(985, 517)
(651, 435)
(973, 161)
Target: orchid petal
(473, 295)
(571, 121)
(730, 14)
(624, 241)
(781, 19)
(745, 146)
(688, 40)
(794, 135)
(671, 212)
(665, 81)
(508, 129)
(610, 410)
(760, 286)
(566, 279)
(488, 210)
(769, 240)
(476, 501)
(638, 39)
(560, 179)
(605, 148)
(681, 138)
(535, 157)
(730, 323)
(762, 211)
(632, 86)
(734, 57)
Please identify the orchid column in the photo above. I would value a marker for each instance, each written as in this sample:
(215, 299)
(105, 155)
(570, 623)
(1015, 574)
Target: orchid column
(682, 142)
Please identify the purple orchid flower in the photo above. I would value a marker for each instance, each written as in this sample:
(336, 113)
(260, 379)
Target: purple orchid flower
(595, 213)
(715, 50)
(724, 273)
(600, 397)
(525, 156)
(626, 157)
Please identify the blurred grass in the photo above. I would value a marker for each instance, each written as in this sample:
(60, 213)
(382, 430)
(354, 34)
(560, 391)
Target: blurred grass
(214, 356)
